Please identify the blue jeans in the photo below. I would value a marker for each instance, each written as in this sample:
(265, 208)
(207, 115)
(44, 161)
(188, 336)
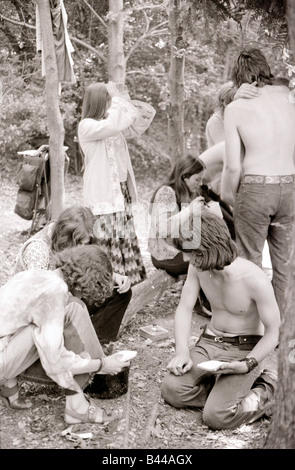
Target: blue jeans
(228, 400)
(266, 212)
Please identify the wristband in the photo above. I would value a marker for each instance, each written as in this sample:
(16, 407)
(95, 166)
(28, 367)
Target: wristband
(101, 365)
(251, 362)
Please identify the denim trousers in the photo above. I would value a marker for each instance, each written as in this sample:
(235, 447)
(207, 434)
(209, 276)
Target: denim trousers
(266, 212)
(20, 357)
(226, 399)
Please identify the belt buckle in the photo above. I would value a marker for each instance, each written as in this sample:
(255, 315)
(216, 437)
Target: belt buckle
(218, 339)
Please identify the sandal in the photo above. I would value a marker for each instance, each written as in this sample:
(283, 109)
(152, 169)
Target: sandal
(18, 403)
(91, 415)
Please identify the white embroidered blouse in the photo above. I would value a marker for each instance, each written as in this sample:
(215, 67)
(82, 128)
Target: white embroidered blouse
(107, 159)
(164, 207)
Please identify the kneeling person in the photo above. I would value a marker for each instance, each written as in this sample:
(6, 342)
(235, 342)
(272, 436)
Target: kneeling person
(243, 331)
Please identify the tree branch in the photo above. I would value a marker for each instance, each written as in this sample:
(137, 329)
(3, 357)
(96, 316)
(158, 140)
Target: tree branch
(147, 23)
(152, 32)
(87, 46)
(142, 72)
(154, 28)
(78, 41)
(18, 23)
(161, 6)
(95, 14)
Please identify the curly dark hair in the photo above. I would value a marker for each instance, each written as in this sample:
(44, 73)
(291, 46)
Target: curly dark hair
(250, 66)
(88, 273)
(208, 241)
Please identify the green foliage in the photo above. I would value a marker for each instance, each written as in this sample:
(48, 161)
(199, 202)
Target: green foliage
(22, 111)
(212, 30)
(23, 114)
(23, 118)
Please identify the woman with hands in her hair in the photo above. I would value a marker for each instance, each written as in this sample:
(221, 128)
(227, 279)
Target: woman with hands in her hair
(109, 117)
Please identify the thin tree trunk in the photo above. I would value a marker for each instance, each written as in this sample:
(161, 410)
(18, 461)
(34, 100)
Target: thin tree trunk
(54, 119)
(176, 85)
(116, 62)
(281, 434)
(291, 24)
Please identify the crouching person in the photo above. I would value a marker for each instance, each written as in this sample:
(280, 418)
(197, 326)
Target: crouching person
(243, 331)
(42, 319)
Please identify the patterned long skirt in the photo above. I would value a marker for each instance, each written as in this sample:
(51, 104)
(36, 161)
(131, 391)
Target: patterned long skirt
(116, 234)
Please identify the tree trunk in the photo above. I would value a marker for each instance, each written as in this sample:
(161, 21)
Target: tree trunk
(54, 119)
(116, 62)
(281, 434)
(176, 84)
(291, 24)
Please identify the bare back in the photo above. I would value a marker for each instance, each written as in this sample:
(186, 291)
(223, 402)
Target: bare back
(266, 126)
(230, 293)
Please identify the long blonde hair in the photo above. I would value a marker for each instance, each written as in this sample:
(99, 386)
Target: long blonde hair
(95, 101)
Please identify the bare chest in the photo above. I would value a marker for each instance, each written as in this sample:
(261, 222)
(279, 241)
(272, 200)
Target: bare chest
(230, 296)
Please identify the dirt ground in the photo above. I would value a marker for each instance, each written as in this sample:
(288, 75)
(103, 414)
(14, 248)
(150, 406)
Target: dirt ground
(148, 422)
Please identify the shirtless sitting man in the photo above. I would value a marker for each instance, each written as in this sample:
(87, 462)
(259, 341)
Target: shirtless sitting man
(243, 331)
(258, 177)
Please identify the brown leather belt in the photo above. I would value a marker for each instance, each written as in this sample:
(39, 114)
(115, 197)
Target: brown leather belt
(237, 340)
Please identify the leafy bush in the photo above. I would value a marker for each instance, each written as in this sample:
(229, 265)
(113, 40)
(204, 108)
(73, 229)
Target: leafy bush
(23, 118)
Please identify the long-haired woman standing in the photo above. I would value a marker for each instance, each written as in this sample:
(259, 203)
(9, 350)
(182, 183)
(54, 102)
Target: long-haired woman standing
(109, 188)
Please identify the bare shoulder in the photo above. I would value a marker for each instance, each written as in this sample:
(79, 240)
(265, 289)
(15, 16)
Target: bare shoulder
(275, 92)
(234, 108)
(280, 89)
(253, 275)
(192, 276)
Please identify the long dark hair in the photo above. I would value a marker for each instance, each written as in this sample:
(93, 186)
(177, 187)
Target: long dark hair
(211, 245)
(95, 101)
(183, 168)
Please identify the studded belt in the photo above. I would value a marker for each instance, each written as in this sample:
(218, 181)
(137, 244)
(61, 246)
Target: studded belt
(263, 179)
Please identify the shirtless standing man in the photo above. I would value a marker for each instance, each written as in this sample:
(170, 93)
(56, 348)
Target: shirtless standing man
(243, 331)
(258, 176)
